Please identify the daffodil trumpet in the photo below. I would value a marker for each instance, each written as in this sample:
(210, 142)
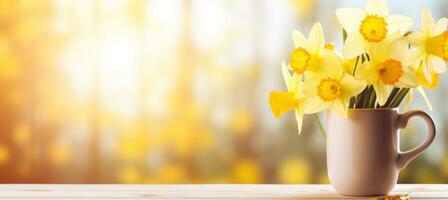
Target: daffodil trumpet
(380, 66)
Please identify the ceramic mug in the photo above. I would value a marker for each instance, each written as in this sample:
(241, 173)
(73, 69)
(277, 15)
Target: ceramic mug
(363, 154)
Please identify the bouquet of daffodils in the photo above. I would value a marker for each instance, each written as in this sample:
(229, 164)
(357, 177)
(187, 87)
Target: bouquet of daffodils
(381, 64)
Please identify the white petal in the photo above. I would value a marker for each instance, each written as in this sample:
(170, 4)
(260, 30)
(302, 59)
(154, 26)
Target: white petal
(415, 58)
(382, 92)
(354, 45)
(377, 7)
(439, 65)
(287, 76)
(427, 69)
(408, 80)
(427, 22)
(299, 119)
(408, 100)
(351, 86)
(399, 50)
(422, 92)
(340, 107)
(299, 40)
(440, 26)
(350, 18)
(316, 39)
(398, 23)
(314, 105)
(416, 38)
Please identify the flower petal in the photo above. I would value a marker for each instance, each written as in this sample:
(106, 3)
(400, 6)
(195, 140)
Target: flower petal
(416, 38)
(299, 40)
(427, 69)
(398, 23)
(440, 26)
(377, 7)
(340, 107)
(382, 92)
(427, 22)
(350, 18)
(439, 65)
(351, 87)
(316, 39)
(299, 119)
(314, 105)
(287, 77)
(408, 100)
(414, 59)
(354, 45)
(422, 92)
(282, 102)
(408, 80)
(398, 50)
(330, 65)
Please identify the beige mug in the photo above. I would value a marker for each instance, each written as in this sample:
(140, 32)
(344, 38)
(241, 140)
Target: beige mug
(363, 150)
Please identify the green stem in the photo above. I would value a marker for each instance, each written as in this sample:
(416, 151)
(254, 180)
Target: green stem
(391, 97)
(372, 99)
(321, 127)
(400, 97)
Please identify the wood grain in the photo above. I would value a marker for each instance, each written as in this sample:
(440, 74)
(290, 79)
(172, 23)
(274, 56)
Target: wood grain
(218, 191)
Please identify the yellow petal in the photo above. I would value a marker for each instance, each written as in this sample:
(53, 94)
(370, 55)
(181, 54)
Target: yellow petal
(316, 39)
(377, 7)
(354, 45)
(299, 119)
(422, 79)
(331, 65)
(282, 102)
(350, 18)
(427, 22)
(398, 23)
(299, 40)
(351, 86)
(440, 26)
(367, 72)
(422, 92)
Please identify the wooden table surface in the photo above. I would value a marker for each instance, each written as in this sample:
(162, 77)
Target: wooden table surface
(219, 191)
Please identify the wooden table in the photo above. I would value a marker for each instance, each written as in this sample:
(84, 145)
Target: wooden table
(226, 191)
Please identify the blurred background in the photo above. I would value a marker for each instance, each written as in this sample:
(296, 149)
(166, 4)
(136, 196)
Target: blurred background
(171, 91)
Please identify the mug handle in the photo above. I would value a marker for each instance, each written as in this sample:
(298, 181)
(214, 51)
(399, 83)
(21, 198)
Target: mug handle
(402, 120)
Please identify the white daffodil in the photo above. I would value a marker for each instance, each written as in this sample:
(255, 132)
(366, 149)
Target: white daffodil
(370, 26)
(308, 53)
(431, 43)
(332, 90)
(293, 99)
(387, 69)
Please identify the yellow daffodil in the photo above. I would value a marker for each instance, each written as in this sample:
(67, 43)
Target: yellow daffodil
(293, 99)
(370, 26)
(431, 43)
(387, 69)
(308, 53)
(332, 90)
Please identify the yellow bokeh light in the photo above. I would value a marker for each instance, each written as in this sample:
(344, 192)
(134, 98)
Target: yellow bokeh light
(4, 154)
(293, 170)
(246, 171)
